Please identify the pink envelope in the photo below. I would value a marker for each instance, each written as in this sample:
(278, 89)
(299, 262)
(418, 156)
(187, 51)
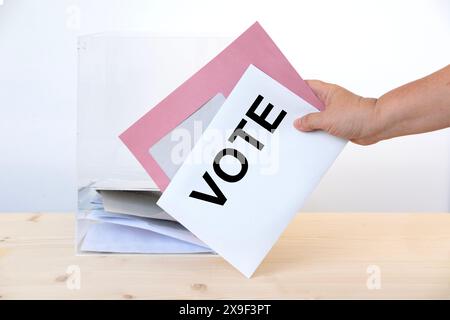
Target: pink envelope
(221, 74)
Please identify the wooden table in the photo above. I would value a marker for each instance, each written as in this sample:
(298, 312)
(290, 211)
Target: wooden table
(319, 256)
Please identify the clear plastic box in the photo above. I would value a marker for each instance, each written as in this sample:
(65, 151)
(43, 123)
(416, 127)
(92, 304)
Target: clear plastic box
(120, 77)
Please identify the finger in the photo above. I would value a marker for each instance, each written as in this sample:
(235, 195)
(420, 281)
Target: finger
(321, 89)
(310, 122)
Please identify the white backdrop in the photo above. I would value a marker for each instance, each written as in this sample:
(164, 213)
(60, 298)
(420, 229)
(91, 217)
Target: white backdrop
(367, 47)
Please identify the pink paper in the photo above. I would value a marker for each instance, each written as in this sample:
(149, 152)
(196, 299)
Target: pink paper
(221, 74)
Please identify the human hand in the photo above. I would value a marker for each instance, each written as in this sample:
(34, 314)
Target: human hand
(416, 107)
(346, 114)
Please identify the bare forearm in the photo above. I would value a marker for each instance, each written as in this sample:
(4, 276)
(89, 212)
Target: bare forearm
(419, 106)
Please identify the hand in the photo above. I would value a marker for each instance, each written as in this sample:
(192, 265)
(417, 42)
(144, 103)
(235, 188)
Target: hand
(346, 115)
(416, 107)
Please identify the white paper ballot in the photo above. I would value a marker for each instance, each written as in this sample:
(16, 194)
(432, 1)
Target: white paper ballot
(171, 229)
(240, 200)
(107, 237)
(135, 203)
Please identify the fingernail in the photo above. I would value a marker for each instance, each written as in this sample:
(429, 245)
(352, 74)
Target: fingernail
(298, 123)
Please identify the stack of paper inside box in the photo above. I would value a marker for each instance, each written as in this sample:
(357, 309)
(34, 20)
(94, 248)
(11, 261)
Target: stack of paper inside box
(129, 221)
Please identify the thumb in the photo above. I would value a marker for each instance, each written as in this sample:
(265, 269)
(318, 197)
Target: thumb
(310, 122)
(321, 89)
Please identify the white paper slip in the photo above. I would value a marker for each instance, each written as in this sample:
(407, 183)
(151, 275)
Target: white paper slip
(107, 237)
(250, 172)
(125, 185)
(135, 203)
(168, 228)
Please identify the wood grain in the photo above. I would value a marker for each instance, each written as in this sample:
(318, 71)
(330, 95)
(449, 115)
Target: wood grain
(319, 256)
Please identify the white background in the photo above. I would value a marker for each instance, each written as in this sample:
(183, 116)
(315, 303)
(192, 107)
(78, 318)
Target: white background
(368, 47)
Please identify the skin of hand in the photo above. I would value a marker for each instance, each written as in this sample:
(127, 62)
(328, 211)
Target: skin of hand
(417, 107)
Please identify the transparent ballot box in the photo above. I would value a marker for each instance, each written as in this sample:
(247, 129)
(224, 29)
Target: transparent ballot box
(120, 77)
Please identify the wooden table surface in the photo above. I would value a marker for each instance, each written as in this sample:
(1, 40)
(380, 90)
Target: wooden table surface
(319, 256)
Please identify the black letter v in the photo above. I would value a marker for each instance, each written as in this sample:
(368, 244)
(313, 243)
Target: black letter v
(219, 196)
